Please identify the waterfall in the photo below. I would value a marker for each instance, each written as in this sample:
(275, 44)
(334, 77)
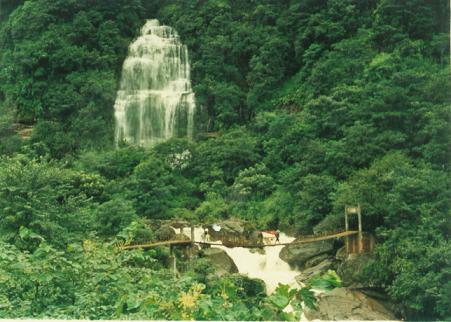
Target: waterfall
(155, 101)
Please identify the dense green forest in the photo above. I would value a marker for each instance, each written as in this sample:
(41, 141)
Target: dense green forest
(315, 104)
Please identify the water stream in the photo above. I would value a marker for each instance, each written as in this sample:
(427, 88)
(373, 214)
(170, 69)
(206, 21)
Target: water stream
(155, 101)
(266, 266)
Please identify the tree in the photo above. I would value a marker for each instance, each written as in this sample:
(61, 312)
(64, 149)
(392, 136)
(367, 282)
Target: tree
(156, 190)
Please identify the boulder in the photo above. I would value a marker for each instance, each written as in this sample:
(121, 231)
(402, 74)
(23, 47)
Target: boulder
(350, 270)
(345, 304)
(312, 271)
(341, 254)
(329, 223)
(233, 232)
(181, 237)
(297, 255)
(317, 260)
(251, 287)
(179, 224)
(260, 251)
(165, 233)
(220, 260)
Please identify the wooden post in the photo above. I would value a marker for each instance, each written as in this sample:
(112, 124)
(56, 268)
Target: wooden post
(191, 248)
(190, 252)
(359, 214)
(172, 260)
(346, 228)
(346, 219)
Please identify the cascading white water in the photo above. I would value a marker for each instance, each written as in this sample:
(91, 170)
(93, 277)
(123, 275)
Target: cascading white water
(155, 101)
(267, 267)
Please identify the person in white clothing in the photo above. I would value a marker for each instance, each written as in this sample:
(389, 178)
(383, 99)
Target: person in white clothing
(206, 235)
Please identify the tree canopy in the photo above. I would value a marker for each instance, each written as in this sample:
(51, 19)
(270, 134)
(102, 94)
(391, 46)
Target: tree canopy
(315, 105)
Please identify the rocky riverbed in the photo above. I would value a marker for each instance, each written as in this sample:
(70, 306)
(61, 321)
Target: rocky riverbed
(348, 304)
(295, 265)
(351, 302)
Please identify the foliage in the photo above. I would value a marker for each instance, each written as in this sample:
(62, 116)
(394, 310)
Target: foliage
(114, 164)
(253, 182)
(114, 215)
(59, 66)
(92, 281)
(154, 187)
(326, 281)
(317, 104)
(46, 200)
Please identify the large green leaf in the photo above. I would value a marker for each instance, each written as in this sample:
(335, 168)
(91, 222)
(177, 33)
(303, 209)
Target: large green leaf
(279, 300)
(326, 281)
(308, 297)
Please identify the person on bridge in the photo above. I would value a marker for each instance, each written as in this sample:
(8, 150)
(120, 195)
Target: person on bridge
(277, 234)
(206, 235)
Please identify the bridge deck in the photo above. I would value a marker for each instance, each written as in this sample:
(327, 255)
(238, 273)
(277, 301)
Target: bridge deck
(303, 240)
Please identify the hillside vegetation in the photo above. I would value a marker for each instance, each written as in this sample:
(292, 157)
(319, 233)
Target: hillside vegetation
(317, 105)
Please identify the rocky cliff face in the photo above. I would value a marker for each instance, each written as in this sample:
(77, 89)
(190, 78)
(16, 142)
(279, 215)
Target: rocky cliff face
(234, 232)
(350, 269)
(165, 232)
(307, 255)
(351, 302)
(347, 304)
(220, 260)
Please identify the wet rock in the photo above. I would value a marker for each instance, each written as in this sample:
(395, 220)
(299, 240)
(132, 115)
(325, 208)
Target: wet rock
(252, 287)
(254, 237)
(181, 237)
(260, 251)
(312, 271)
(298, 255)
(179, 224)
(346, 304)
(165, 233)
(317, 260)
(351, 270)
(234, 232)
(341, 254)
(220, 260)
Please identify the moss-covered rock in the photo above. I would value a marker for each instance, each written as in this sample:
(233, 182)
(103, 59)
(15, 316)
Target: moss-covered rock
(298, 255)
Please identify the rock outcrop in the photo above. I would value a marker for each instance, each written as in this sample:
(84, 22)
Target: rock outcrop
(165, 233)
(220, 260)
(299, 255)
(178, 224)
(181, 237)
(234, 232)
(350, 269)
(312, 271)
(346, 304)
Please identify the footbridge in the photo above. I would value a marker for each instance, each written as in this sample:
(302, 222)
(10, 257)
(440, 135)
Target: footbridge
(300, 240)
(356, 241)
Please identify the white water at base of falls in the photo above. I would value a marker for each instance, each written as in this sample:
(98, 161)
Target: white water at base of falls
(155, 101)
(267, 267)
